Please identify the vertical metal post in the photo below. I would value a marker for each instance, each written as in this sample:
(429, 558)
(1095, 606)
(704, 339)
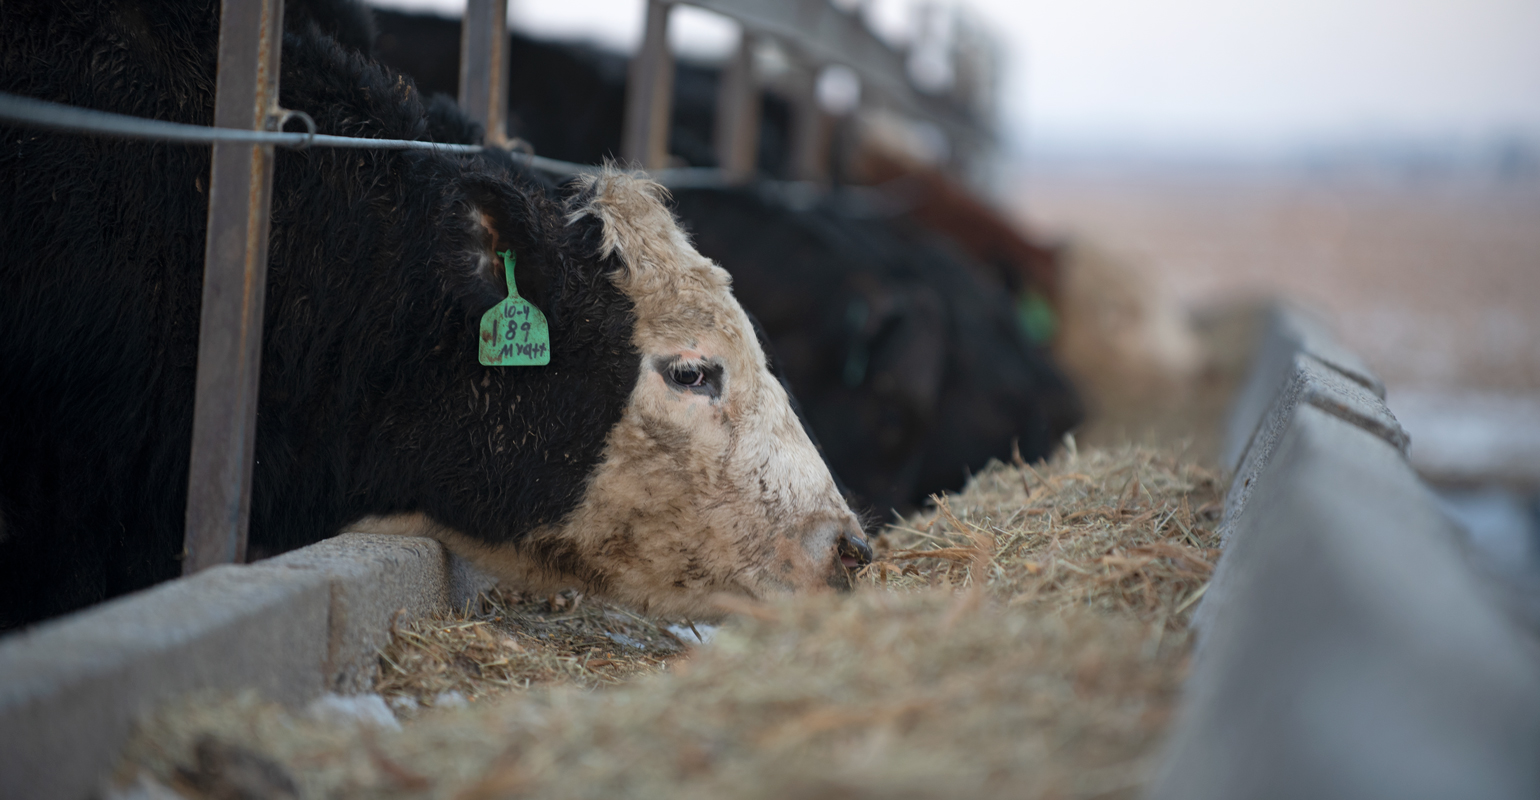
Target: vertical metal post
(809, 130)
(234, 282)
(737, 122)
(650, 94)
(484, 66)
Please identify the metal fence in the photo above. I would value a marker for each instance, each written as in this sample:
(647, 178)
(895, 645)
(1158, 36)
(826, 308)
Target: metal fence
(248, 124)
(817, 35)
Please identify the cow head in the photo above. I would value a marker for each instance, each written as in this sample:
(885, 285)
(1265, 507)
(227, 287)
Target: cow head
(708, 484)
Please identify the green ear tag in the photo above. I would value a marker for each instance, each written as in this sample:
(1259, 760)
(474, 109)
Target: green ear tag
(514, 333)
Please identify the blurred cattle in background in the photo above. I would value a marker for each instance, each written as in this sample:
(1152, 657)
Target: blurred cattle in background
(1119, 335)
(1122, 339)
(911, 318)
(998, 250)
(910, 369)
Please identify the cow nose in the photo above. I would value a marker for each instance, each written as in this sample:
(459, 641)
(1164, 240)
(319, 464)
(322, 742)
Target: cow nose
(854, 551)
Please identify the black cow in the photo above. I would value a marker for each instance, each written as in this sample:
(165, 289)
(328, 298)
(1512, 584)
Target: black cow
(911, 369)
(655, 460)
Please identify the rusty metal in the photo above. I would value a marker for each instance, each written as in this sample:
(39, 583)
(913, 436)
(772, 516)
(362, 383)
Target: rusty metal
(650, 94)
(234, 282)
(736, 137)
(484, 66)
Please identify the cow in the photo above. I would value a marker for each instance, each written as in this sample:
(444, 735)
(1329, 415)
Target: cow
(656, 459)
(999, 252)
(902, 342)
(911, 368)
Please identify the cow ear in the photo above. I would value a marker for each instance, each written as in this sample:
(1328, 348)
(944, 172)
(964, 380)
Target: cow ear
(502, 220)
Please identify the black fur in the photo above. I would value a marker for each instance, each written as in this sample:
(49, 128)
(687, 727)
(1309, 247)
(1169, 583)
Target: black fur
(350, 22)
(568, 99)
(372, 400)
(910, 368)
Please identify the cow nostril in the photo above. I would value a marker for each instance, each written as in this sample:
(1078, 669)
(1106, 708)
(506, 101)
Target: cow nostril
(854, 551)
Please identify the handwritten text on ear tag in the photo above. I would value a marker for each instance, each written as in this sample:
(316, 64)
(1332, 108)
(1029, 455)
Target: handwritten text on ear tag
(514, 333)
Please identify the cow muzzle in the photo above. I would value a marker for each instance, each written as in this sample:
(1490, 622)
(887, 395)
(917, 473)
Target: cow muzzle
(851, 553)
(815, 556)
(854, 552)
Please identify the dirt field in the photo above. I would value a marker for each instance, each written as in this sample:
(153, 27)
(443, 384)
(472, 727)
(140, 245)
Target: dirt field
(1435, 280)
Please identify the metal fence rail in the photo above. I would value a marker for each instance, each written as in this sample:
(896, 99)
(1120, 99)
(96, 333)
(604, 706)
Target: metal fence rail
(484, 65)
(34, 113)
(44, 115)
(818, 35)
(824, 34)
(224, 434)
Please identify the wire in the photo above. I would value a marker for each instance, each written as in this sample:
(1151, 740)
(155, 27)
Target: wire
(55, 116)
(35, 113)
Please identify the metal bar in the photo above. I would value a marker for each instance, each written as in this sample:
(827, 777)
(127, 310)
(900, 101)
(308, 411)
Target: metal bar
(57, 116)
(737, 122)
(650, 94)
(810, 128)
(54, 116)
(484, 66)
(826, 35)
(234, 282)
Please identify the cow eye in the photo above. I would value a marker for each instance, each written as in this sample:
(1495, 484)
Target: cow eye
(693, 377)
(688, 376)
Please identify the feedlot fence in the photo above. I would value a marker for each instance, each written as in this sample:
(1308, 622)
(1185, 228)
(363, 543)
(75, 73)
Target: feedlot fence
(248, 124)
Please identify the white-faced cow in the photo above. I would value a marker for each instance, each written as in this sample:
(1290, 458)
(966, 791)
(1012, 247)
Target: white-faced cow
(894, 320)
(656, 459)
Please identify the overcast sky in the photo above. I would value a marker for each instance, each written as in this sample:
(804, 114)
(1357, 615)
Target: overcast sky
(1201, 75)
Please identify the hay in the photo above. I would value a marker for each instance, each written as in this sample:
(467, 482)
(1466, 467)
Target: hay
(1025, 638)
(1129, 530)
(882, 694)
(510, 640)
